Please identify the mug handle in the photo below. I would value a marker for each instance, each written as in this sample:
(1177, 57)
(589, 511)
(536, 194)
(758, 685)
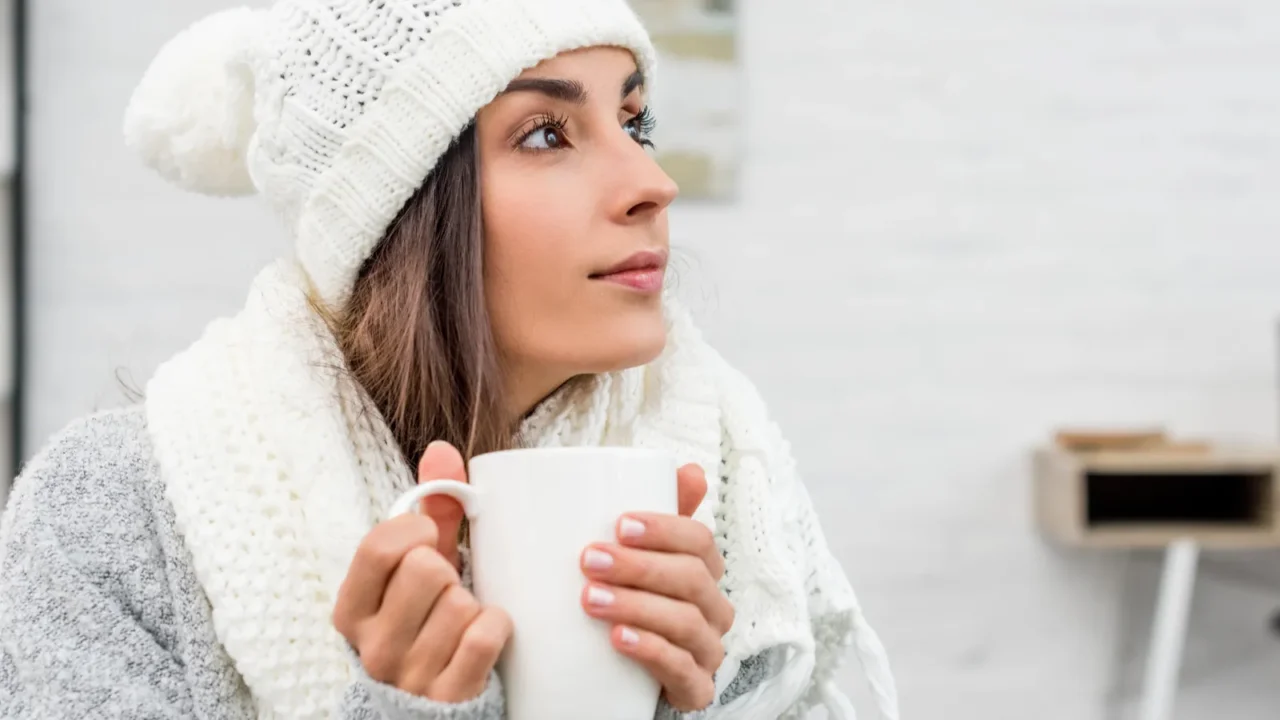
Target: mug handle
(411, 501)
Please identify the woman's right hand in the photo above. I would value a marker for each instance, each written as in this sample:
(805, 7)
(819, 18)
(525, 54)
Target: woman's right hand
(403, 608)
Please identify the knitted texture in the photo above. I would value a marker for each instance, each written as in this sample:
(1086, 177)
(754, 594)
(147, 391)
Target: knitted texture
(142, 643)
(336, 110)
(101, 613)
(276, 468)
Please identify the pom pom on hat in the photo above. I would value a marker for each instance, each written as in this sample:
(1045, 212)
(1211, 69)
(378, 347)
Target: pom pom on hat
(191, 119)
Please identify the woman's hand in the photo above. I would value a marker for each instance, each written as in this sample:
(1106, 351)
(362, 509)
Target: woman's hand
(659, 587)
(404, 610)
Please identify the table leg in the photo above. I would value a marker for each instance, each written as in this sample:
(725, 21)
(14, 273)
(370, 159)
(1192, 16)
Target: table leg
(1169, 630)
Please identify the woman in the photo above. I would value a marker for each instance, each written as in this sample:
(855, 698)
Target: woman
(481, 241)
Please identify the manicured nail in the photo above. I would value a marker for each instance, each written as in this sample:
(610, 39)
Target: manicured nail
(630, 528)
(594, 559)
(599, 597)
(629, 637)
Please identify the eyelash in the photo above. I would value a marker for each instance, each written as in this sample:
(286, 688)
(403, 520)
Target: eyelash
(644, 122)
(545, 121)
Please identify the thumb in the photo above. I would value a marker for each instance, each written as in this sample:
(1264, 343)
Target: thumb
(442, 461)
(691, 487)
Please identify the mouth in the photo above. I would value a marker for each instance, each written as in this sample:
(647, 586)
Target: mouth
(643, 271)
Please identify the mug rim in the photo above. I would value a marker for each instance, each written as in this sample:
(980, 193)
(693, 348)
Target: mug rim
(580, 450)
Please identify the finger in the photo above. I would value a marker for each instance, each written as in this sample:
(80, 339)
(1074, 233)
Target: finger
(682, 577)
(691, 484)
(376, 558)
(688, 688)
(478, 651)
(672, 534)
(438, 639)
(679, 623)
(442, 461)
(385, 639)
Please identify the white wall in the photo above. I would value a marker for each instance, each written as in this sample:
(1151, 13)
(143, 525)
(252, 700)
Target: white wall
(123, 269)
(960, 225)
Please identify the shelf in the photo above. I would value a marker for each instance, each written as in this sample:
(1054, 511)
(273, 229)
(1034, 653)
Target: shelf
(1149, 497)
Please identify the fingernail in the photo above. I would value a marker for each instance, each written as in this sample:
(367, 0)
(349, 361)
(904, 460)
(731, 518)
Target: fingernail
(594, 559)
(629, 637)
(630, 528)
(599, 597)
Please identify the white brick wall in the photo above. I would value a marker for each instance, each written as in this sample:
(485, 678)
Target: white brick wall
(960, 225)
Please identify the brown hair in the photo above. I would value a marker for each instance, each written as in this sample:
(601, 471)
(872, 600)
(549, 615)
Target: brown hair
(416, 333)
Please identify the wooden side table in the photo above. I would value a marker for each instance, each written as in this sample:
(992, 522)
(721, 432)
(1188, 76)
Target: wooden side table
(1154, 494)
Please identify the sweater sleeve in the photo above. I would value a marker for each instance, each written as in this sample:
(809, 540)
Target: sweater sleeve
(100, 612)
(83, 594)
(368, 699)
(751, 673)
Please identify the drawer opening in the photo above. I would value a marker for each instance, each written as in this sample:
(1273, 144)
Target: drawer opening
(1221, 499)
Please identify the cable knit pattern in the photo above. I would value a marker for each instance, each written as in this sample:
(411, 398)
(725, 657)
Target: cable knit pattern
(276, 469)
(336, 110)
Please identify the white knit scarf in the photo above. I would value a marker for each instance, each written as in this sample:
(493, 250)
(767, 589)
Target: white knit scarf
(276, 469)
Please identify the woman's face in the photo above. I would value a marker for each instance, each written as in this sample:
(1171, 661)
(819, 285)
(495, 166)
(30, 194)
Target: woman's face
(575, 219)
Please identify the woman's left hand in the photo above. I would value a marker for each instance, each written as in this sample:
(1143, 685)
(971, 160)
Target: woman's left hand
(659, 586)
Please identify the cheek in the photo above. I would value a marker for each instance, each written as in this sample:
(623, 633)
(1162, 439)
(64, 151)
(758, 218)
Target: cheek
(540, 246)
(535, 253)
(528, 232)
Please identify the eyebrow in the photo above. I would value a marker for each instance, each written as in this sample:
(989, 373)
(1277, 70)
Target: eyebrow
(633, 82)
(570, 91)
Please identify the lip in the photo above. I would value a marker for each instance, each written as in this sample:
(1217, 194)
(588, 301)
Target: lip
(643, 271)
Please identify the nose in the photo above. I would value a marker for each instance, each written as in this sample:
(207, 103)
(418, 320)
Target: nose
(642, 189)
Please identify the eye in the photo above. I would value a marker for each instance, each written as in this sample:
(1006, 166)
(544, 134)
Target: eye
(546, 138)
(641, 127)
(548, 134)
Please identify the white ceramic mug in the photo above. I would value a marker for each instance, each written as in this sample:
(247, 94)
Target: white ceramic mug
(532, 512)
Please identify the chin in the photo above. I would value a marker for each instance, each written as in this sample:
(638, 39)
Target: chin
(628, 344)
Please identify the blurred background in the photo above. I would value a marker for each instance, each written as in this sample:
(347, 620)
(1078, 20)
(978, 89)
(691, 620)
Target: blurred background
(933, 233)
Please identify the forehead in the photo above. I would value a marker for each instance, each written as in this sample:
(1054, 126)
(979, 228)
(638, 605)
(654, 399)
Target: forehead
(602, 64)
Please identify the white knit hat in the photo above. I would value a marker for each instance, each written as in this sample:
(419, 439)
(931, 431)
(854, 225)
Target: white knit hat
(336, 110)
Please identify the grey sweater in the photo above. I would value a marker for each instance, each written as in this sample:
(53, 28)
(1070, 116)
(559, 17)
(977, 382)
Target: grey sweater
(101, 614)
